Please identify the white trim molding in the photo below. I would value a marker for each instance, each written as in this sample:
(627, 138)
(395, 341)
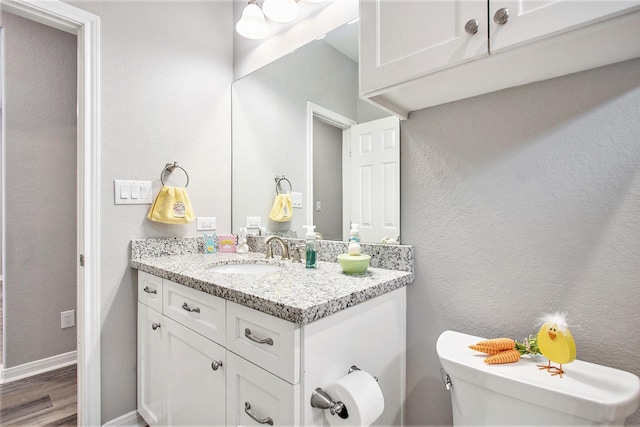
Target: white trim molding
(37, 367)
(132, 419)
(86, 26)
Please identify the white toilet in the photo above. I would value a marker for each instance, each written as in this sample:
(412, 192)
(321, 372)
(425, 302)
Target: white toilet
(520, 394)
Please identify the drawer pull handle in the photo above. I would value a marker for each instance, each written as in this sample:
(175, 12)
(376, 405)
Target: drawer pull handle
(247, 410)
(185, 306)
(247, 333)
(155, 326)
(150, 291)
(215, 365)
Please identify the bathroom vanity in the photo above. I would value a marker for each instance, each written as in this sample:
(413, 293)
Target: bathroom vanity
(229, 346)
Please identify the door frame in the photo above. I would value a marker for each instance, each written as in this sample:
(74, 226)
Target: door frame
(86, 27)
(334, 119)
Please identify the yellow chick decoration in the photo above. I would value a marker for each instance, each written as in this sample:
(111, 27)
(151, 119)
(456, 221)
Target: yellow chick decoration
(556, 342)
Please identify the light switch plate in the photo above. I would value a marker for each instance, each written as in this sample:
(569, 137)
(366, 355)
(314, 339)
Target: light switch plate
(127, 192)
(296, 199)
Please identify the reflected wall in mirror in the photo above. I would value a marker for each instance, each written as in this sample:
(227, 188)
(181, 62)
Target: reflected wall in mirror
(294, 117)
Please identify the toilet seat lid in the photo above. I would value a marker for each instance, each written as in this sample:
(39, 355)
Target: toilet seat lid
(592, 391)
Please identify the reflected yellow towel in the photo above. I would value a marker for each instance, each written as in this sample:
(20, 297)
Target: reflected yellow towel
(172, 206)
(281, 210)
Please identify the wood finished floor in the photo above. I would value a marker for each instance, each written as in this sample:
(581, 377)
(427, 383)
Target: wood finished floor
(48, 399)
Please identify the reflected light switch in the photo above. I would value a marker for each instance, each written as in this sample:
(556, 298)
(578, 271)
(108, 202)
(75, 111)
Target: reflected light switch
(125, 191)
(296, 199)
(135, 191)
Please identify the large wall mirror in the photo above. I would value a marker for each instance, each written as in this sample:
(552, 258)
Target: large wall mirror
(300, 117)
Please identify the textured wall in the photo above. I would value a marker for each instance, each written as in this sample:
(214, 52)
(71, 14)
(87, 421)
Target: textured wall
(520, 202)
(166, 72)
(40, 159)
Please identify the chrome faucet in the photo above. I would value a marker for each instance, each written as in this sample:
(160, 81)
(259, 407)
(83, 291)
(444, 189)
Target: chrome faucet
(283, 245)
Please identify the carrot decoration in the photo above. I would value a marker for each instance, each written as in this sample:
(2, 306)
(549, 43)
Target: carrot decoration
(505, 356)
(494, 345)
(506, 350)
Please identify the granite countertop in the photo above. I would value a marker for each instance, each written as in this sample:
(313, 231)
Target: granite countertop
(294, 293)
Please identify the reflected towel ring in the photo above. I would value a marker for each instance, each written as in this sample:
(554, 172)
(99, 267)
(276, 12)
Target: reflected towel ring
(282, 178)
(170, 168)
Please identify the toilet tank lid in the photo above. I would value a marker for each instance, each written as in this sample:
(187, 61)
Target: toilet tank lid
(596, 392)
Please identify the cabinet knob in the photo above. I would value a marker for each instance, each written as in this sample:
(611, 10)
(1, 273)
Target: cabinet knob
(155, 326)
(215, 365)
(501, 16)
(472, 25)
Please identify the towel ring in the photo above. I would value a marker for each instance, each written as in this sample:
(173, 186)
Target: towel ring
(170, 168)
(282, 178)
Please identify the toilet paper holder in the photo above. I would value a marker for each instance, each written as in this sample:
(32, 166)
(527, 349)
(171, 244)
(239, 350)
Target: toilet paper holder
(321, 400)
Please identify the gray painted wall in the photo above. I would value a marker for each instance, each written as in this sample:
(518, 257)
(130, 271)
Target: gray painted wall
(166, 72)
(40, 211)
(521, 202)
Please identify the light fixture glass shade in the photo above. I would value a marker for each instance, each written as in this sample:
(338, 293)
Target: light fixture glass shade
(315, 1)
(282, 11)
(252, 24)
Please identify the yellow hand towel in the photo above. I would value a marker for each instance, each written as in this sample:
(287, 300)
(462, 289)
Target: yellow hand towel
(281, 210)
(172, 206)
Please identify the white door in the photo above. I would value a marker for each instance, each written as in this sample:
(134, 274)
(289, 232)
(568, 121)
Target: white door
(375, 178)
(529, 20)
(401, 40)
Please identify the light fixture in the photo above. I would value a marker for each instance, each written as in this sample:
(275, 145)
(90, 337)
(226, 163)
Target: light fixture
(252, 24)
(282, 11)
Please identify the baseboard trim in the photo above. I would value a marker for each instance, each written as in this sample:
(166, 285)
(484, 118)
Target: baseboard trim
(37, 367)
(132, 419)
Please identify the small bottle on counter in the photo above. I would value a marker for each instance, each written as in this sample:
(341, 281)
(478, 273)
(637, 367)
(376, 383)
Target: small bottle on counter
(310, 247)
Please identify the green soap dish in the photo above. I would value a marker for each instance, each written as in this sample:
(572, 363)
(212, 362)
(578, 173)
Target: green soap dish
(354, 264)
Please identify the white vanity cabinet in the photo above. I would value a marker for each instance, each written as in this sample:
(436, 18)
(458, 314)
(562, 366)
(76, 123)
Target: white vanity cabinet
(417, 54)
(228, 364)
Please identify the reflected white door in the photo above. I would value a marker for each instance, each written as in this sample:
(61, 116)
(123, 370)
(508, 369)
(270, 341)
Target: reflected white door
(375, 178)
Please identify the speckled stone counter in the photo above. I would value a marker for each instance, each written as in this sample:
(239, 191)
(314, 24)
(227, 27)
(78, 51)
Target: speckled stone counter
(293, 293)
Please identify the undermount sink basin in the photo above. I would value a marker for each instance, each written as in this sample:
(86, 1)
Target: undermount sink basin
(245, 268)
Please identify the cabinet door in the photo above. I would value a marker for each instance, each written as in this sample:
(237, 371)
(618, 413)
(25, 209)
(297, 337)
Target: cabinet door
(150, 372)
(195, 370)
(255, 396)
(401, 40)
(530, 20)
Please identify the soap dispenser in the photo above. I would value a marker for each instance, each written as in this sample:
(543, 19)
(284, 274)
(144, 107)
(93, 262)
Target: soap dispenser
(310, 247)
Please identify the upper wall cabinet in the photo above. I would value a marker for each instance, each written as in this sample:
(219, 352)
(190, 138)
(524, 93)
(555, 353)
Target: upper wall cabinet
(416, 54)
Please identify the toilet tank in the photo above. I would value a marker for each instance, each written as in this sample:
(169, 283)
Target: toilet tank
(520, 394)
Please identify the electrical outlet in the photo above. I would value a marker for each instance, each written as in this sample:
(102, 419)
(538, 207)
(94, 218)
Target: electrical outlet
(67, 319)
(205, 223)
(253, 222)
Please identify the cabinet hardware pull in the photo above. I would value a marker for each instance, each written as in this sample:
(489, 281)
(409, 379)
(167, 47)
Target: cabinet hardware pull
(215, 365)
(247, 410)
(501, 16)
(247, 333)
(472, 25)
(185, 306)
(155, 326)
(150, 291)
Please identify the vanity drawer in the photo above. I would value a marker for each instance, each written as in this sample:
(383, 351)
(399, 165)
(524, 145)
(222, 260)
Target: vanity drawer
(150, 290)
(267, 341)
(254, 395)
(202, 312)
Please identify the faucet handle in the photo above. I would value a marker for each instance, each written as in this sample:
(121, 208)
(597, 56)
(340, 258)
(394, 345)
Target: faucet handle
(269, 252)
(297, 253)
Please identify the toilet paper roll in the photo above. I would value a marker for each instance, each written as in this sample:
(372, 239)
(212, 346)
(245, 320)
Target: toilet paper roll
(362, 397)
